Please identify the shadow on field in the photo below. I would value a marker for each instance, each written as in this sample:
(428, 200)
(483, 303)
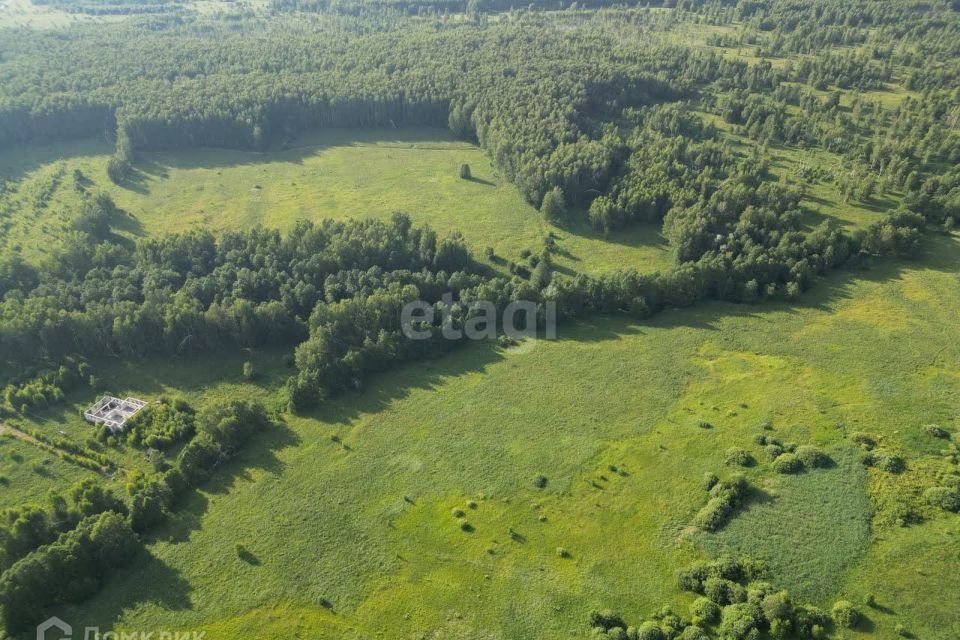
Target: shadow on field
(166, 589)
(17, 161)
(259, 454)
(939, 253)
(309, 143)
(382, 390)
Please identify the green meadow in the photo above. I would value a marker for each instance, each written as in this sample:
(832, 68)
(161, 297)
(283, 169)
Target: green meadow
(29, 472)
(333, 174)
(349, 513)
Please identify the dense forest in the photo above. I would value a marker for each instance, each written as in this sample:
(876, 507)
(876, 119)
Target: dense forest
(589, 115)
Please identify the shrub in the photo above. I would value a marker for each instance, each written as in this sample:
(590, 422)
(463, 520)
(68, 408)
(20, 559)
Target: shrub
(780, 628)
(892, 463)
(540, 481)
(787, 463)
(809, 621)
(725, 497)
(694, 632)
(713, 515)
(723, 591)
(704, 610)
(650, 631)
(710, 479)
(243, 553)
(811, 457)
(845, 614)
(669, 622)
(943, 497)
(864, 440)
(777, 606)
(740, 619)
(740, 457)
(553, 206)
(936, 431)
(884, 460)
(772, 451)
(703, 424)
(606, 619)
(458, 513)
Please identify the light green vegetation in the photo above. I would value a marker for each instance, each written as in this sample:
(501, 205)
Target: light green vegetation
(809, 527)
(220, 380)
(23, 13)
(26, 14)
(334, 174)
(365, 527)
(31, 472)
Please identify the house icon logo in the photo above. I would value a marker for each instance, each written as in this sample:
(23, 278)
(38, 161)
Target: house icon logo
(54, 623)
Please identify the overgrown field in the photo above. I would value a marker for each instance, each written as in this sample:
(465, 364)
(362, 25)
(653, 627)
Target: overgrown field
(349, 513)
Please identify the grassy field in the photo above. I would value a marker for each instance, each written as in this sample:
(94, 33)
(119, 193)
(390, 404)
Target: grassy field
(25, 14)
(358, 538)
(333, 174)
(349, 174)
(30, 473)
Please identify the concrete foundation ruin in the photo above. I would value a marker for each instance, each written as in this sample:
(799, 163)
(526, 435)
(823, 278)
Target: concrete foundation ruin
(113, 412)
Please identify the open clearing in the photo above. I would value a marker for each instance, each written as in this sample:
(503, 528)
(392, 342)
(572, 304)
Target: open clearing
(333, 174)
(348, 535)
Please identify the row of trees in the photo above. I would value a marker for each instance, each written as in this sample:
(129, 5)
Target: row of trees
(186, 293)
(68, 570)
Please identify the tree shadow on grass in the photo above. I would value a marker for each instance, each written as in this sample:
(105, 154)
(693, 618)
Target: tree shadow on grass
(127, 589)
(307, 143)
(18, 160)
(383, 389)
(259, 454)
(940, 253)
(477, 180)
(128, 223)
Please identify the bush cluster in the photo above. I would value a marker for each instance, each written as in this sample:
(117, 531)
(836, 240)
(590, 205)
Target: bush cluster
(884, 460)
(736, 604)
(44, 389)
(158, 426)
(221, 432)
(725, 497)
(946, 498)
(739, 457)
(794, 459)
